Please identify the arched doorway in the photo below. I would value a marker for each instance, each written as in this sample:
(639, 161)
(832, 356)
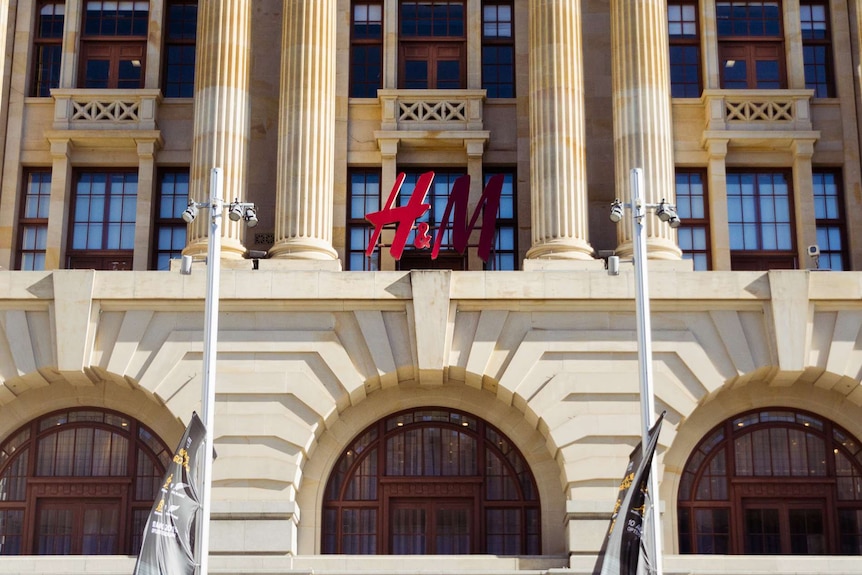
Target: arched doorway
(431, 481)
(773, 481)
(78, 482)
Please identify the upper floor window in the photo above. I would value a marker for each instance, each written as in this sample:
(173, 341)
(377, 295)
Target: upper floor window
(103, 220)
(364, 198)
(691, 205)
(760, 216)
(48, 47)
(505, 251)
(498, 49)
(438, 197)
(170, 229)
(181, 25)
(366, 49)
(829, 213)
(114, 44)
(431, 481)
(817, 47)
(750, 44)
(684, 48)
(33, 225)
(773, 482)
(432, 47)
(70, 452)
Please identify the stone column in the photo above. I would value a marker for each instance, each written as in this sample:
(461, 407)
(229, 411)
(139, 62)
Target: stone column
(222, 116)
(306, 131)
(558, 178)
(643, 131)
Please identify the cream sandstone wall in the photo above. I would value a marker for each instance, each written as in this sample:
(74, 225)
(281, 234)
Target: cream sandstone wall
(309, 359)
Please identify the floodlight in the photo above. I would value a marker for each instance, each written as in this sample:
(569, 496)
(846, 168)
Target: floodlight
(190, 213)
(616, 211)
(250, 216)
(236, 211)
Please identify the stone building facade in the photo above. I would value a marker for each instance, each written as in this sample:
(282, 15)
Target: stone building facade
(372, 404)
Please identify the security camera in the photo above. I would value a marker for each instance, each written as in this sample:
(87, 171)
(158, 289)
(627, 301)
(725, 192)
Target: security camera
(814, 250)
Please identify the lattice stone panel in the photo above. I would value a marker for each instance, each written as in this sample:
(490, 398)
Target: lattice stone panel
(115, 111)
(432, 111)
(759, 111)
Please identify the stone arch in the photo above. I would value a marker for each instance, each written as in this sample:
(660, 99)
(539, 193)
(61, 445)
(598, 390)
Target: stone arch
(758, 393)
(90, 388)
(510, 421)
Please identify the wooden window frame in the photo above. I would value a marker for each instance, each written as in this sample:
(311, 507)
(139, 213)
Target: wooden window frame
(365, 481)
(104, 257)
(503, 84)
(714, 463)
(812, 41)
(689, 221)
(168, 217)
(358, 206)
(34, 221)
(360, 46)
(499, 255)
(185, 42)
(419, 258)
(830, 220)
(747, 41)
(759, 258)
(682, 46)
(122, 489)
(431, 48)
(121, 51)
(47, 48)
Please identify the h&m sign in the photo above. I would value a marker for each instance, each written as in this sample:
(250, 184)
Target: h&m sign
(404, 217)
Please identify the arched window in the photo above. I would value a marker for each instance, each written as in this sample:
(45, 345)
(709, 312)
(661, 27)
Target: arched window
(431, 481)
(774, 481)
(78, 482)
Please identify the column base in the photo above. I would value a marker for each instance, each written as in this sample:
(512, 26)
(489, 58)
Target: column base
(230, 249)
(657, 249)
(562, 249)
(303, 249)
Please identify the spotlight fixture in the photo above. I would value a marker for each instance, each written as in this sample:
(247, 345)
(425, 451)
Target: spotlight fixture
(616, 211)
(667, 213)
(250, 216)
(235, 212)
(190, 213)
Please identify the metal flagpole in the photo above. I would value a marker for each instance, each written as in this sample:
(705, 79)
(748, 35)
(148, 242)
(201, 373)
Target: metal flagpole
(216, 208)
(644, 329)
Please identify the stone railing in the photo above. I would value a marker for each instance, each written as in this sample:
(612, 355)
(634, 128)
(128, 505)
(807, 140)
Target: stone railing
(105, 109)
(431, 110)
(788, 110)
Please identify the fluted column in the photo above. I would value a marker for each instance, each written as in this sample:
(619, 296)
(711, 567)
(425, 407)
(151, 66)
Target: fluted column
(222, 116)
(643, 132)
(306, 128)
(558, 179)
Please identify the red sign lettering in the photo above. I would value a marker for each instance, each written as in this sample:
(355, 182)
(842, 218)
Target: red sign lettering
(405, 217)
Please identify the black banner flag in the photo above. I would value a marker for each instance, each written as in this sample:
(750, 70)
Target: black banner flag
(627, 548)
(168, 544)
